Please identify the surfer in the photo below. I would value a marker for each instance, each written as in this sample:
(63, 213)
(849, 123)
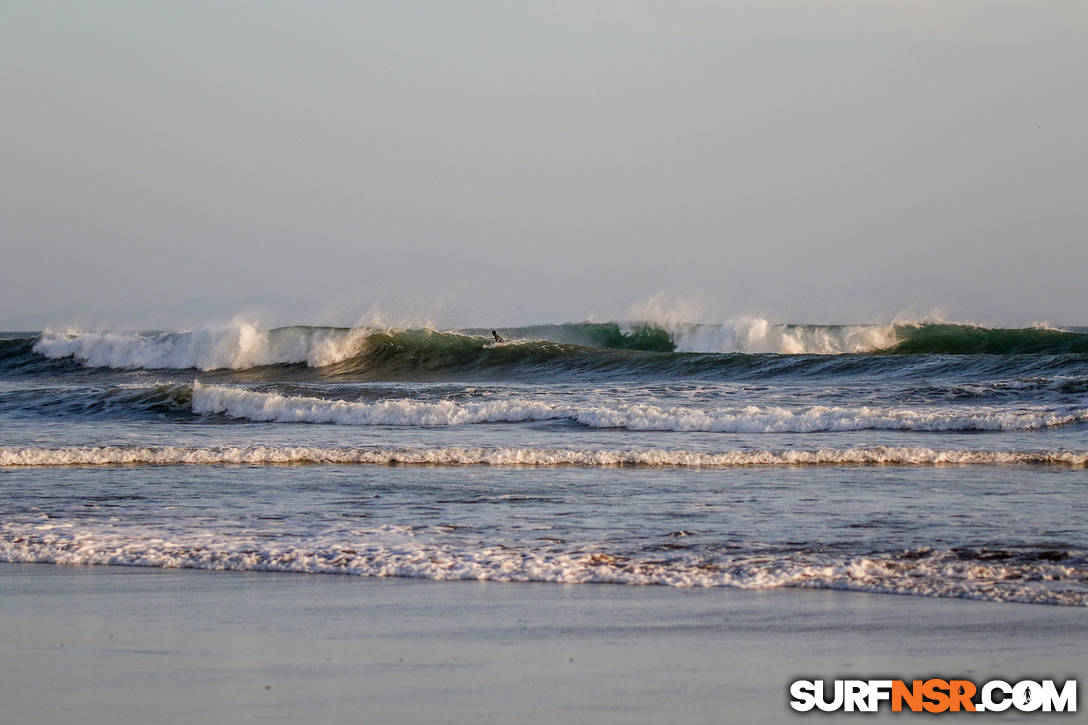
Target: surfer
(497, 336)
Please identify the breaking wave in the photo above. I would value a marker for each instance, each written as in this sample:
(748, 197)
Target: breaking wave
(243, 345)
(995, 407)
(237, 346)
(274, 407)
(746, 348)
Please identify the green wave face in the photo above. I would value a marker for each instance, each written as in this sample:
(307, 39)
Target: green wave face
(952, 339)
(407, 353)
(606, 335)
(641, 337)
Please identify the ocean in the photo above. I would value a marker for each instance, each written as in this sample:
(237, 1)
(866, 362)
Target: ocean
(921, 459)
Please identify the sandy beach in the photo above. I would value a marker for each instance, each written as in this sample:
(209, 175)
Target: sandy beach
(115, 644)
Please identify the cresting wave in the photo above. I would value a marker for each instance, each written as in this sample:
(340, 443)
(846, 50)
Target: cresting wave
(581, 346)
(239, 345)
(1030, 576)
(534, 457)
(275, 408)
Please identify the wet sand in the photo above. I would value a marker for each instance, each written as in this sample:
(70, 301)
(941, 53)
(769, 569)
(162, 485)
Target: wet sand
(114, 644)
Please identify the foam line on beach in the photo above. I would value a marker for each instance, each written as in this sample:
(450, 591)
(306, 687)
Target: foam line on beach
(533, 457)
(1038, 577)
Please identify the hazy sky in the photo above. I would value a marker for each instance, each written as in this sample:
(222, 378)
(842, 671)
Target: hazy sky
(168, 164)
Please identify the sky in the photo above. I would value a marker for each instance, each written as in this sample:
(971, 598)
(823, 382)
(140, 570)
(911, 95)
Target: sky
(167, 165)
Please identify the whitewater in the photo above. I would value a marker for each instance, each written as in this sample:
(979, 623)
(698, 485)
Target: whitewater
(920, 458)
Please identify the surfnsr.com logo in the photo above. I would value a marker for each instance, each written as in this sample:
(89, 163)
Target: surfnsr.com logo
(933, 695)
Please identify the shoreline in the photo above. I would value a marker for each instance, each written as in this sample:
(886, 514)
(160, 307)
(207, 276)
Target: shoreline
(108, 644)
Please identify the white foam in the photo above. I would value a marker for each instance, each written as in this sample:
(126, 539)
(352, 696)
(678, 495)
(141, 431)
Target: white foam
(426, 552)
(758, 335)
(238, 345)
(542, 457)
(273, 407)
(754, 334)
